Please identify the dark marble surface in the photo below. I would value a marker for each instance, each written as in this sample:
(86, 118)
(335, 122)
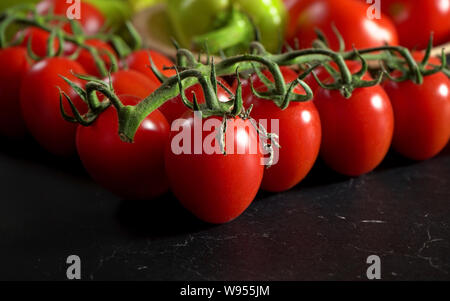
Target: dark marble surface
(323, 229)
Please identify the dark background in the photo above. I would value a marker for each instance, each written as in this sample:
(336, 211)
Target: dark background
(323, 229)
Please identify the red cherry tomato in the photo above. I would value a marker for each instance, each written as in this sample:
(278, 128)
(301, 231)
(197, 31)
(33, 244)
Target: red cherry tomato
(86, 60)
(299, 134)
(39, 39)
(39, 99)
(91, 19)
(422, 114)
(140, 61)
(417, 19)
(15, 64)
(216, 188)
(349, 17)
(174, 107)
(133, 171)
(356, 132)
(130, 82)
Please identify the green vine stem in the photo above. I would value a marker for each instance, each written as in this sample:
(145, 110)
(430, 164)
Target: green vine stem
(130, 117)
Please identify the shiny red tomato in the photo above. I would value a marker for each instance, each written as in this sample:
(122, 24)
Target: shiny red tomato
(174, 107)
(356, 132)
(422, 114)
(140, 61)
(299, 134)
(216, 188)
(349, 17)
(133, 171)
(91, 19)
(39, 100)
(417, 19)
(15, 64)
(39, 39)
(86, 60)
(130, 82)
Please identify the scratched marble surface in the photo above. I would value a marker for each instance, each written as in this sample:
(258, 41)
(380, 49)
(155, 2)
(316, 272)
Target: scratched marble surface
(323, 229)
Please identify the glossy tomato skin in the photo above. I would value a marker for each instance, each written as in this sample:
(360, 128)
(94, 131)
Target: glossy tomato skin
(422, 116)
(130, 82)
(216, 188)
(356, 132)
(174, 107)
(140, 61)
(92, 20)
(299, 135)
(417, 19)
(39, 39)
(15, 64)
(86, 60)
(349, 17)
(40, 105)
(133, 171)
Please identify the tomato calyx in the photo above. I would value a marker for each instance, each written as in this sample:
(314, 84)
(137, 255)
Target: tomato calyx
(426, 66)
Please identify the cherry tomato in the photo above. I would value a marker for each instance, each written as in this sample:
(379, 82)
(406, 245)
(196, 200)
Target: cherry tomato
(91, 19)
(39, 99)
(86, 60)
(133, 171)
(15, 64)
(39, 39)
(349, 17)
(299, 134)
(416, 20)
(422, 114)
(356, 132)
(140, 61)
(216, 188)
(174, 107)
(130, 82)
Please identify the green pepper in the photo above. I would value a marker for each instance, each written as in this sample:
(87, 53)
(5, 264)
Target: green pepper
(227, 24)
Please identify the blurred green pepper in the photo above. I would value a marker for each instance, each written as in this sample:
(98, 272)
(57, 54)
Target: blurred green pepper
(4, 4)
(227, 24)
(116, 12)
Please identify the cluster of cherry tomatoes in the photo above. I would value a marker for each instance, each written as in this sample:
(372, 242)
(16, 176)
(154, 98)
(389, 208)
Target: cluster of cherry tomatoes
(352, 135)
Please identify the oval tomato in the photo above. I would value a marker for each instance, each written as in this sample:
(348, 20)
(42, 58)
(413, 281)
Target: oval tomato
(416, 20)
(216, 188)
(15, 64)
(133, 171)
(422, 114)
(40, 105)
(130, 82)
(140, 61)
(356, 132)
(91, 19)
(174, 107)
(299, 132)
(349, 17)
(39, 39)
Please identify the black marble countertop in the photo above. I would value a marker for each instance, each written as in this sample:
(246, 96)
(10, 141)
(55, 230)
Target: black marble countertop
(323, 229)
